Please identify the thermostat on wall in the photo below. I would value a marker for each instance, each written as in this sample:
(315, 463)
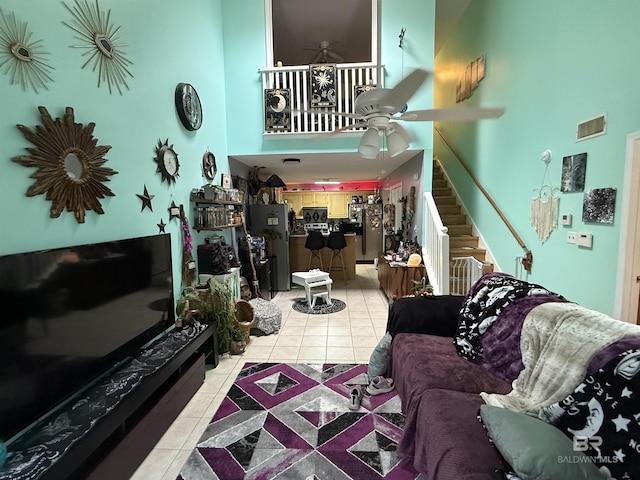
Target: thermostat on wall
(566, 218)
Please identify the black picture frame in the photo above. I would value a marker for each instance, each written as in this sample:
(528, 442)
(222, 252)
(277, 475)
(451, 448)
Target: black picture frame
(322, 79)
(277, 110)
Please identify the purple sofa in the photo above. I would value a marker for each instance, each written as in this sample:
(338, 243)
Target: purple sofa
(446, 350)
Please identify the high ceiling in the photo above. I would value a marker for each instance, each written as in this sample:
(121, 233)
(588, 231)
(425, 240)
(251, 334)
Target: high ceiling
(300, 26)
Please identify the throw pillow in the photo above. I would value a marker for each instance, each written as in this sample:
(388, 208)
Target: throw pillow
(380, 357)
(535, 449)
(603, 415)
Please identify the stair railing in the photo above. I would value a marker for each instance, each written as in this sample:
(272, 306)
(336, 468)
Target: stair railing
(435, 252)
(527, 258)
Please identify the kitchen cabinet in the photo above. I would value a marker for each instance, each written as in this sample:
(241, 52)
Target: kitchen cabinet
(308, 199)
(294, 200)
(338, 205)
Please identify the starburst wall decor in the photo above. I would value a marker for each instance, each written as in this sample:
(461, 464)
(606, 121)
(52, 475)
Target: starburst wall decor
(70, 164)
(101, 39)
(22, 59)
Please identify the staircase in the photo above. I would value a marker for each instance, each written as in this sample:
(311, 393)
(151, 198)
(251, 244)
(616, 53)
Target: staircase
(461, 241)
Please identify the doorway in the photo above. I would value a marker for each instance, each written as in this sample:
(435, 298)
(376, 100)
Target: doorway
(627, 306)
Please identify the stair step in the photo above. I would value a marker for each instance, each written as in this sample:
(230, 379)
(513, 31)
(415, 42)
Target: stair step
(460, 219)
(455, 230)
(477, 253)
(450, 200)
(448, 210)
(463, 241)
(441, 192)
(439, 183)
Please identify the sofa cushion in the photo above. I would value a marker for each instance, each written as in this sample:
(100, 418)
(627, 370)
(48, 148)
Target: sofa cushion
(421, 362)
(449, 443)
(535, 449)
(435, 315)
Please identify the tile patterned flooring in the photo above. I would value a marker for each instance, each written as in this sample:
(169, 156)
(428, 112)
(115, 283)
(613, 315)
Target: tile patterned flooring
(347, 336)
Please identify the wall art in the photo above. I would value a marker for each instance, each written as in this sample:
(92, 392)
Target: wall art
(277, 110)
(188, 106)
(100, 38)
(70, 164)
(146, 199)
(598, 205)
(574, 169)
(469, 79)
(167, 161)
(322, 83)
(22, 59)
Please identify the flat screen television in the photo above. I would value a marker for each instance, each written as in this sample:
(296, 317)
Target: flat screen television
(69, 315)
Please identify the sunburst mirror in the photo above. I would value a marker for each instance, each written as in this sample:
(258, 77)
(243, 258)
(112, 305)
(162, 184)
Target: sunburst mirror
(69, 162)
(100, 38)
(22, 59)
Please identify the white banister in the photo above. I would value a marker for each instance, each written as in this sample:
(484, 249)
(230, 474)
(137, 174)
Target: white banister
(320, 120)
(435, 252)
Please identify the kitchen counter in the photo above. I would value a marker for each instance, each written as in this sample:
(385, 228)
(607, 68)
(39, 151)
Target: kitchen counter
(299, 256)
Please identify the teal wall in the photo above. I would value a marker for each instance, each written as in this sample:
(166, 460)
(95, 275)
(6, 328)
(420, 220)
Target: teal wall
(552, 65)
(167, 44)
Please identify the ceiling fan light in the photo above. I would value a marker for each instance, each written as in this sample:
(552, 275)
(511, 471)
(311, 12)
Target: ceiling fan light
(369, 144)
(396, 143)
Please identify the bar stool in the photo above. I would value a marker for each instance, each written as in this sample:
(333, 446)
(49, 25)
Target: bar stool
(336, 243)
(314, 243)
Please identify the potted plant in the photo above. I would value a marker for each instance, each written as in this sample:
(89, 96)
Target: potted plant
(422, 288)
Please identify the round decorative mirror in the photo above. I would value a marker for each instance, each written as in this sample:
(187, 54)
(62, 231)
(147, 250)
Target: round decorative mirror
(70, 163)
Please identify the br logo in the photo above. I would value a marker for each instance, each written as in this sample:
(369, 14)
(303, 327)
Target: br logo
(582, 444)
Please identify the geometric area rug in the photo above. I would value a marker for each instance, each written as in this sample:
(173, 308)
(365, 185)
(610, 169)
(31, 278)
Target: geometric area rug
(292, 421)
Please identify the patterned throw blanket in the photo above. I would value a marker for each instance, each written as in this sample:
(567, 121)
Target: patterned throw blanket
(558, 341)
(483, 305)
(602, 415)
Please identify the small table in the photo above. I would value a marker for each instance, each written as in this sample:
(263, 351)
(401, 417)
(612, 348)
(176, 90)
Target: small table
(313, 279)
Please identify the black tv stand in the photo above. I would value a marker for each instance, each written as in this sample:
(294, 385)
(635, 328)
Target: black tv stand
(142, 398)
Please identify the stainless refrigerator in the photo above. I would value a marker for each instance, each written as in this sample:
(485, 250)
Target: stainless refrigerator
(369, 243)
(274, 216)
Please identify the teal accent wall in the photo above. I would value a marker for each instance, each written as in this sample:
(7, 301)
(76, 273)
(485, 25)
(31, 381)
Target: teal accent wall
(552, 65)
(167, 43)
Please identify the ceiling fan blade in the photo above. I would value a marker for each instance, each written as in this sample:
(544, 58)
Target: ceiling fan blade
(454, 114)
(398, 96)
(317, 58)
(336, 57)
(337, 131)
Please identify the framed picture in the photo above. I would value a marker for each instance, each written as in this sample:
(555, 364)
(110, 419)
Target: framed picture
(226, 180)
(277, 109)
(322, 79)
(598, 205)
(574, 168)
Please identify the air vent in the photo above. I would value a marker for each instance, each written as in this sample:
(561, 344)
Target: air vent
(591, 128)
(291, 161)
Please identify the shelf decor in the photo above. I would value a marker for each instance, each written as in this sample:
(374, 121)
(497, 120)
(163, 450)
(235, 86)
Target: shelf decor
(100, 37)
(22, 60)
(70, 164)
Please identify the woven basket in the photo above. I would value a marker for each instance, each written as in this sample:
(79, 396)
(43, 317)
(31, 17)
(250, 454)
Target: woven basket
(246, 317)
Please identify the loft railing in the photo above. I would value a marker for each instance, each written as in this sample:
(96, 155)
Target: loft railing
(305, 119)
(527, 258)
(464, 272)
(435, 252)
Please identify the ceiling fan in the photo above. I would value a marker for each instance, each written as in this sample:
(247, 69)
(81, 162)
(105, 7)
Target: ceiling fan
(379, 109)
(325, 54)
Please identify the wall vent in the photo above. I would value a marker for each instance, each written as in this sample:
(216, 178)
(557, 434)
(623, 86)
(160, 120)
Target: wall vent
(591, 128)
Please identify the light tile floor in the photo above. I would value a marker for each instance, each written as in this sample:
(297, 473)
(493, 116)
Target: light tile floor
(347, 336)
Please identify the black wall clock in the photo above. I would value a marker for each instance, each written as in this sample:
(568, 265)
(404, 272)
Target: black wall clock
(167, 160)
(188, 106)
